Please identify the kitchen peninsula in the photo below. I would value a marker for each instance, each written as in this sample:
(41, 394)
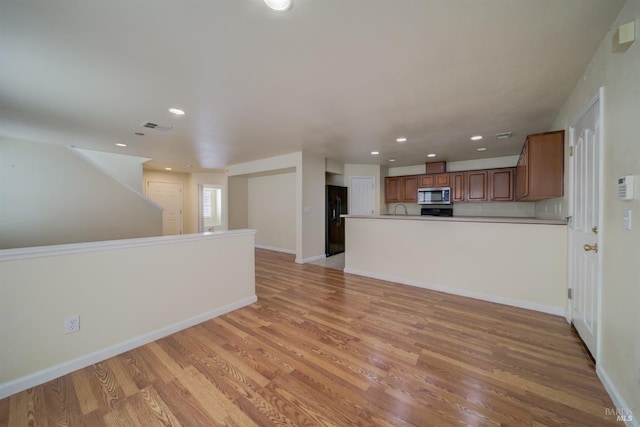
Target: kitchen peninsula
(515, 261)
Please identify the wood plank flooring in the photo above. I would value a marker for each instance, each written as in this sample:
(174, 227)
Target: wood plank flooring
(321, 348)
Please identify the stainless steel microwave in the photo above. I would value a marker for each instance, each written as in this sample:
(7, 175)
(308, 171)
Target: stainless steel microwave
(434, 196)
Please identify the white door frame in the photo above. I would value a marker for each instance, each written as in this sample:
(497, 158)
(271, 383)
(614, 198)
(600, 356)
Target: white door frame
(598, 97)
(222, 188)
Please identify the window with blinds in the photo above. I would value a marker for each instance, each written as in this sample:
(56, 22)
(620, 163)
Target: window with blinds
(212, 206)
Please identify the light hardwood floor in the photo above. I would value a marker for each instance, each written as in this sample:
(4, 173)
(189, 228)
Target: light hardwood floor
(324, 348)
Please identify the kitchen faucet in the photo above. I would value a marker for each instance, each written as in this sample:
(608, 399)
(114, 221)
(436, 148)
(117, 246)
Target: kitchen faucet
(395, 209)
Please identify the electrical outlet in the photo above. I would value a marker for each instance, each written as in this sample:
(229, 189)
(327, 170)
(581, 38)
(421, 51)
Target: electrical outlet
(72, 324)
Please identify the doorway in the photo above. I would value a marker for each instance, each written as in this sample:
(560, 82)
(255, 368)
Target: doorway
(168, 195)
(585, 232)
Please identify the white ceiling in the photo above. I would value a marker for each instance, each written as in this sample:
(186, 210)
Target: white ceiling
(337, 77)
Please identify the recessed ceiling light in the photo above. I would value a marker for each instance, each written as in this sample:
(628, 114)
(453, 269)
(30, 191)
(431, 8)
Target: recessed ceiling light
(279, 5)
(401, 139)
(176, 111)
(375, 153)
(119, 144)
(188, 165)
(476, 138)
(168, 169)
(392, 160)
(482, 149)
(431, 155)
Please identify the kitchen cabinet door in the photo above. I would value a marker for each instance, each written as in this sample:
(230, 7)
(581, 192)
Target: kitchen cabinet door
(457, 187)
(501, 184)
(425, 181)
(392, 189)
(477, 186)
(442, 180)
(410, 189)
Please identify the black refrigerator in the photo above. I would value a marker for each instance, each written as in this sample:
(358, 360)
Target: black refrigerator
(336, 204)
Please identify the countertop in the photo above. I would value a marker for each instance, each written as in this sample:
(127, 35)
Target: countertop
(492, 219)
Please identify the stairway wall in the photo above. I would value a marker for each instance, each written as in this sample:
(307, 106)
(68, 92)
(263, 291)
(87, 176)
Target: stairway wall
(50, 195)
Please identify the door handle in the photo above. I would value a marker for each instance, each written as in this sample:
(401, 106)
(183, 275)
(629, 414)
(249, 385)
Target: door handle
(593, 247)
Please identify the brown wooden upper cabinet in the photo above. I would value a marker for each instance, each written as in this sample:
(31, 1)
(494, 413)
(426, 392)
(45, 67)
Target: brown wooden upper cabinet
(486, 185)
(434, 180)
(540, 169)
(392, 189)
(458, 187)
(501, 184)
(476, 183)
(398, 189)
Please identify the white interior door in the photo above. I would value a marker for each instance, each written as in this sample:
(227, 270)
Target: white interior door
(169, 196)
(362, 196)
(585, 225)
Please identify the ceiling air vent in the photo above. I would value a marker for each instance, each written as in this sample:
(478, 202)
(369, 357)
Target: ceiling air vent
(155, 126)
(504, 135)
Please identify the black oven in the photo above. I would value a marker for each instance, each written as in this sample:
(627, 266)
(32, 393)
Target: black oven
(433, 211)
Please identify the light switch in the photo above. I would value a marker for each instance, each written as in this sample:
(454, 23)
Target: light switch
(626, 219)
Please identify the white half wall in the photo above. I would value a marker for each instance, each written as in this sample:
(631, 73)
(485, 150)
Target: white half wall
(124, 168)
(127, 293)
(516, 264)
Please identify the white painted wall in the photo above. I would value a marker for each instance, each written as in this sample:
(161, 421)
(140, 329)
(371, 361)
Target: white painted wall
(465, 165)
(518, 264)
(124, 168)
(312, 210)
(496, 209)
(127, 293)
(334, 167)
(272, 210)
(490, 163)
(238, 202)
(51, 195)
(309, 193)
(334, 179)
(618, 73)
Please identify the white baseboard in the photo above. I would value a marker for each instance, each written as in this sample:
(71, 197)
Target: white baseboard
(48, 374)
(617, 399)
(558, 311)
(293, 252)
(273, 248)
(311, 259)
